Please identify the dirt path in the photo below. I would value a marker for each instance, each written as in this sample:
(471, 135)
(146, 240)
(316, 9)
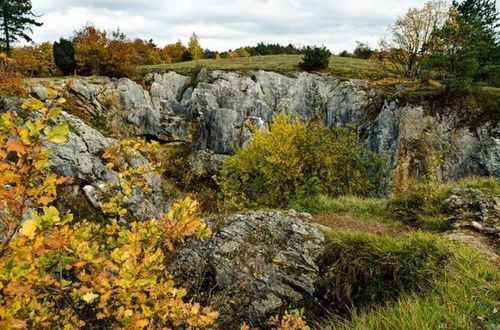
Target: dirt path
(353, 224)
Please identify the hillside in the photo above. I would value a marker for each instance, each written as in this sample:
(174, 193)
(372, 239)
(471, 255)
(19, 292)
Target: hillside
(347, 67)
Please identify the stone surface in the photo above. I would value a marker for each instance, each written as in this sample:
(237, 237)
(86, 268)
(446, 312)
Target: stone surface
(216, 110)
(470, 208)
(80, 157)
(255, 264)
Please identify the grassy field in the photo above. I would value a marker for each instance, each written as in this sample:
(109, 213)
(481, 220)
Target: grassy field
(341, 66)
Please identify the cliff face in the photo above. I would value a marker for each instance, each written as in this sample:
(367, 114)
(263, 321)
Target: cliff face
(215, 110)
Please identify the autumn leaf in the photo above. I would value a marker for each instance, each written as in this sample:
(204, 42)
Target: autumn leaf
(57, 134)
(16, 146)
(89, 297)
(29, 228)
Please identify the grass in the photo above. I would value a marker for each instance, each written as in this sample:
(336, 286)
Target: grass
(438, 284)
(413, 208)
(342, 66)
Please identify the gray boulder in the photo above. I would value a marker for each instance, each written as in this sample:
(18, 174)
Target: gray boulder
(80, 157)
(254, 264)
(472, 209)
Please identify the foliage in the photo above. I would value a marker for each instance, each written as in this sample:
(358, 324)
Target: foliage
(146, 52)
(362, 50)
(186, 56)
(345, 53)
(97, 54)
(34, 60)
(194, 47)
(173, 52)
(315, 58)
(11, 84)
(411, 38)
(90, 48)
(107, 275)
(273, 49)
(467, 47)
(16, 20)
(64, 56)
(289, 159)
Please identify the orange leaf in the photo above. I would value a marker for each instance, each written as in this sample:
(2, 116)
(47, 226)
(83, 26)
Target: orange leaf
(17, 146)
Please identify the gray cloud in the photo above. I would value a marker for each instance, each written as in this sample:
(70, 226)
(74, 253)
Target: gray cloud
(223, 24)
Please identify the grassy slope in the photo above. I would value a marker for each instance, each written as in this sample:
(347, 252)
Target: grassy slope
(342, 66)
(414, 280)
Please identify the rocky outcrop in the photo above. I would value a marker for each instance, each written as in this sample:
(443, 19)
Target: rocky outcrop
(472, 209)
(253, 265)
(80, 157)
(213, 111)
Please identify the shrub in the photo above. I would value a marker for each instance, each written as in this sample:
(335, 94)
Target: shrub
(186, 56)
(345, 53)
(289, 159)
(11, 84)
(107, 274)
(362, 50)
(315, 58)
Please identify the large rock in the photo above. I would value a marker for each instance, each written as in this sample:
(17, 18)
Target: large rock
(80, 157)
(215, 110)
(472, 209)
(255, 264)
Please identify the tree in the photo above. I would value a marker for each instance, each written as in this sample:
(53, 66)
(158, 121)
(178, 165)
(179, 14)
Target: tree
(90, 47)
(17, 19)
(64, 56)
(362, 50)
(173, 52)
(315, 58)
(467, 50)
(410, 39)
(194, 47)
(34, 60)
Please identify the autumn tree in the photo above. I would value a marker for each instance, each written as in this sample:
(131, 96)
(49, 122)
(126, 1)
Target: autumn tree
(146, 52)
(410, 39)
(64, 56)
(90, 48)
(34, 60)
(194, 47)
(17, 21)
(173, 52)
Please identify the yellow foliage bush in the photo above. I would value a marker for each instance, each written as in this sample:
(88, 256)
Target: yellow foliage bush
(289, 159)
(58, 274)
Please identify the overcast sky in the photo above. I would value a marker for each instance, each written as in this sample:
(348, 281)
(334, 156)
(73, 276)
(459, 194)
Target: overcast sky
(224, 24)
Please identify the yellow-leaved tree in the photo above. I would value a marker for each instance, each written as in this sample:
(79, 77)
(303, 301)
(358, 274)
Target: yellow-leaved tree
(194, 47)
(55, 273)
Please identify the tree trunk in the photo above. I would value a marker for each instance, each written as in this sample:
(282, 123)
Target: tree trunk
(7, 36)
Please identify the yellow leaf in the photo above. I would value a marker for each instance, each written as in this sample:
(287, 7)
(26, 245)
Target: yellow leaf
(29, 228)
(89, 297)
(57, 134)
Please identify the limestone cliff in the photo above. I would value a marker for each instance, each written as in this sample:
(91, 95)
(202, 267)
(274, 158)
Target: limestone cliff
(214, 110)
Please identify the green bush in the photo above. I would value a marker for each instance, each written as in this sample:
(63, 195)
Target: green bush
(315, 58)
(359, 270)
(292, 159)
(362, 51)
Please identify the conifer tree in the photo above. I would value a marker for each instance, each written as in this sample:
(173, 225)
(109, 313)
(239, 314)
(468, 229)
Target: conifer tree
(64, 56)
(17, 20)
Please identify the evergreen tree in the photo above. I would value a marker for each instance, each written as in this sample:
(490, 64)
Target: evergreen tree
(467, 49)
(64, 56)
(16, 19)
(194, 47)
